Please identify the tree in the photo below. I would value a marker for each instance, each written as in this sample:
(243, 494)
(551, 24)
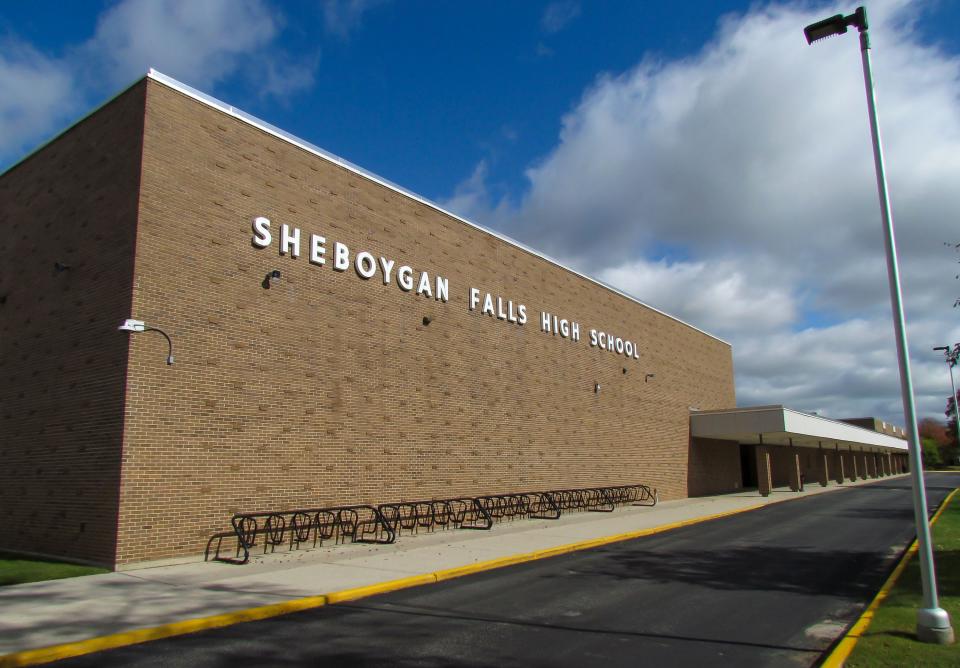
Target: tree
(950, 412)
(934, 429)
(931, 453)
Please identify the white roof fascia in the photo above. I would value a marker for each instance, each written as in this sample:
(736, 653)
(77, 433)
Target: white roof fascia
(346, 164)
(768, 419)
(827, 429)
(742, 424)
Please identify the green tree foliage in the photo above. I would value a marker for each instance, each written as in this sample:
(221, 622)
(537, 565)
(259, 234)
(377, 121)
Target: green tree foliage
(931, 453)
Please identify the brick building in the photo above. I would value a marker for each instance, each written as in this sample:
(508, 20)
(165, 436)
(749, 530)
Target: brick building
(337, 340)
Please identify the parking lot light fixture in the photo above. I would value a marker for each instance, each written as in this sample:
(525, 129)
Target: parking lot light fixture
(933, 622)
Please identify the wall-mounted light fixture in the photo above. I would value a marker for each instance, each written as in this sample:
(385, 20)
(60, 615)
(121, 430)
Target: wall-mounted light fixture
(137, 326)
(649, 377)
(427, 320)
(596, 388)
(271, 279)
(60, 267)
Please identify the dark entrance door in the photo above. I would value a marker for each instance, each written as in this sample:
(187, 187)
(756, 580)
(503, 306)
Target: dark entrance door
(748, 464)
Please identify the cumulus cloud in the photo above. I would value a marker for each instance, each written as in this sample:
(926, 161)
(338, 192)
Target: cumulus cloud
(200, 43)
(341, 17)
(37, 93)
(751, 161)
(558, 15)
(719, 295)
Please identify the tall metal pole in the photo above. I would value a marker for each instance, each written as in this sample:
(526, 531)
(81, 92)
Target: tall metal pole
(956, 409)
(933, 622)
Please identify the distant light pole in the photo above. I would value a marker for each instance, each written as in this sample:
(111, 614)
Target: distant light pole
(950, 356)
(933, 622)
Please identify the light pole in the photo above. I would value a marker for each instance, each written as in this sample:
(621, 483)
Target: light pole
(950, 356)
(933, 622)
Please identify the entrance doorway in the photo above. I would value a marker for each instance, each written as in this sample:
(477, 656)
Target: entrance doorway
(748, 465)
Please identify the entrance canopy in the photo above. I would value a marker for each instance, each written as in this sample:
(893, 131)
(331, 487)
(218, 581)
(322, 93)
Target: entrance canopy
(776, 425)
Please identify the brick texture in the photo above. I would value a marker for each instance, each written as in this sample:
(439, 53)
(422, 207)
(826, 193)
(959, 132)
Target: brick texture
(713, 467)
(62, 362)
(327, 388)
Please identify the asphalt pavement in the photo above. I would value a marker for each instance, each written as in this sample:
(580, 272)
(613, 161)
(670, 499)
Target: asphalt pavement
(770, 587)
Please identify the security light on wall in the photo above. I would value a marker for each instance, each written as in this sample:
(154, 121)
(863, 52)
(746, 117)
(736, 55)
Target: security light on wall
(271, 279)
(137, 326)
(649, 377)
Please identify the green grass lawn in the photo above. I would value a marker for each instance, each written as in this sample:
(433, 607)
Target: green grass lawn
(16, 569)
(891, 638)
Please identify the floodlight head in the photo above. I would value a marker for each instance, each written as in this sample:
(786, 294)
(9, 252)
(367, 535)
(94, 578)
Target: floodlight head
(944, 348)
(130, 325)
(836, 25)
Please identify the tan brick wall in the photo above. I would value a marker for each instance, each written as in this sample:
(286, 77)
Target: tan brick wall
(328, 389)
(713, 467)
(62, 362)
(325, 389)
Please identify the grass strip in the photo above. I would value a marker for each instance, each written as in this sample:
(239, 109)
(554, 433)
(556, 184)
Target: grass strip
(891, 639)
(18, 569)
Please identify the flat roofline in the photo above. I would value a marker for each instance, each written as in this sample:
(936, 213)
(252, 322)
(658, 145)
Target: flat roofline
(871, 437)
(360, 171)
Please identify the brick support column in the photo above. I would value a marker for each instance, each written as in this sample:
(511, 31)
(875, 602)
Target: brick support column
(840, 467)
(794, 471)
(764, 480)
(823, 464)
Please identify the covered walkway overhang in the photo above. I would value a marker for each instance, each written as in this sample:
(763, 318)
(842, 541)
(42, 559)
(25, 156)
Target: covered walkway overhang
(785, 446)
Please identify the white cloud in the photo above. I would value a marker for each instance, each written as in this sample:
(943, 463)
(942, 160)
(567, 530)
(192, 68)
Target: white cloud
(201, 43)
(341, 17)
(719, 296)
(37, 93)
(558, 15)
(751, 162)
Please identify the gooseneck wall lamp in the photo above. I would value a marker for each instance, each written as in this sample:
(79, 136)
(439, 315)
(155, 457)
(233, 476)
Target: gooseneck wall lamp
(137, 326)
(933, 622)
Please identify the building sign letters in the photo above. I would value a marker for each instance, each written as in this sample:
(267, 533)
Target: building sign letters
(292, 243)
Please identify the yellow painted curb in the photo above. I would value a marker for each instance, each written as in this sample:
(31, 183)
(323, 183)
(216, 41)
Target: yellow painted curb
(381, 588)
(56, 652)
(845, 647)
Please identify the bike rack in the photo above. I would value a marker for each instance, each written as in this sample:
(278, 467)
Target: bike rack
(384, 523)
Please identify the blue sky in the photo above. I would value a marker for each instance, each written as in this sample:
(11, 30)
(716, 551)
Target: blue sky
(664, 150)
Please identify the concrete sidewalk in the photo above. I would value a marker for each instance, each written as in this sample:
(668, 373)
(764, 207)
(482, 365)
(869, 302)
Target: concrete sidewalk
(63, 611)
